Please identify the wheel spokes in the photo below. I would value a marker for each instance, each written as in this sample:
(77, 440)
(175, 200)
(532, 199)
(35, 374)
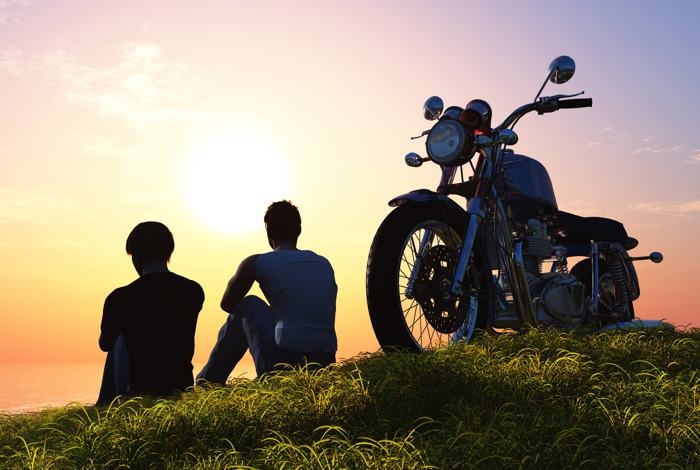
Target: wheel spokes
(413, 254)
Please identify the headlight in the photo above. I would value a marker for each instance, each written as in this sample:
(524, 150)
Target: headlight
(448, 141)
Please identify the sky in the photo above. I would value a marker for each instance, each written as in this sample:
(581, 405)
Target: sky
(199, 114)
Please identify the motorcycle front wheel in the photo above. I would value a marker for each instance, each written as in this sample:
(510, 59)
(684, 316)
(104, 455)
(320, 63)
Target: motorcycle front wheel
(409, 273)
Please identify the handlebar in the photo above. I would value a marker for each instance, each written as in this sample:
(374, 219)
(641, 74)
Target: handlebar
(576, 103)
(542, 106)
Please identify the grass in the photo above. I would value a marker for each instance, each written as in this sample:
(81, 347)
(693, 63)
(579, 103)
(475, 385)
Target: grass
(544, 399)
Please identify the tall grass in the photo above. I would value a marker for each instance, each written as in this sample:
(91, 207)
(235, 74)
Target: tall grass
(544, 399)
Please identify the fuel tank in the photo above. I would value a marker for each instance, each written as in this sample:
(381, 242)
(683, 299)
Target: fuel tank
(527, 187)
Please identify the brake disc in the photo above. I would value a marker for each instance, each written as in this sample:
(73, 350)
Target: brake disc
(432, 291)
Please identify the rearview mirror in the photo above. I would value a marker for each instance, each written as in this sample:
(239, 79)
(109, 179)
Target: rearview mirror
(432, 108)
(561, 69)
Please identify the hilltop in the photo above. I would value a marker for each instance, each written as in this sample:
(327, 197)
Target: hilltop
(544, 399)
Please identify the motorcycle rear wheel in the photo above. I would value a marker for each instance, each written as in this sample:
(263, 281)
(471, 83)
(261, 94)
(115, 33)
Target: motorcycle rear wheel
(426, 319)
(607, 297)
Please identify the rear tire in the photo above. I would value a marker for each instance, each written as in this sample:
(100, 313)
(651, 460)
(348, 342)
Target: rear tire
(425, 319)
(606, 296)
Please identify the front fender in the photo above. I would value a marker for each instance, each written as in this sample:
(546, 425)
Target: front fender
(424, 195)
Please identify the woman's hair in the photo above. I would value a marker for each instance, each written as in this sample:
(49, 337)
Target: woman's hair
(282, 221)
(150, 241)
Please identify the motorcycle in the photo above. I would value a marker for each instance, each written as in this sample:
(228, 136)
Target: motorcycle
(438, 272)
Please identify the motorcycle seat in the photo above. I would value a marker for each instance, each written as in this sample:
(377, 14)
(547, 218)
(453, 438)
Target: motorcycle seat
(574, 229)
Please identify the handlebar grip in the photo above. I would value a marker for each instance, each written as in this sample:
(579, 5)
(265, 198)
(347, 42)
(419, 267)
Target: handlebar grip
(576, 103)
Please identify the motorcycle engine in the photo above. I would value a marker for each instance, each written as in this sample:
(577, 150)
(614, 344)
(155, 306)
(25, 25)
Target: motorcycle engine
(559, 297)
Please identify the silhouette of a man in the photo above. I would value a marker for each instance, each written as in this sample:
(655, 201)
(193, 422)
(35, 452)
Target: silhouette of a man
(297, 326)
(153, 318)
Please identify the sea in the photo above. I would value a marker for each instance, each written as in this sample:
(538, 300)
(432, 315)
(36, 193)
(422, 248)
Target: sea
(34, 386)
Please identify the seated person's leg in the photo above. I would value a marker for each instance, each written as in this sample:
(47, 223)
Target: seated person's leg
(115, 377)
(259, 327)
(121, 365)
(230, 347)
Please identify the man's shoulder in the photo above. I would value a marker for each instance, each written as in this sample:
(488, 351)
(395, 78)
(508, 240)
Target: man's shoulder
(248, 266)
(320, 258)
(183, 279)
(305, 255)
(119, 296)
(251, 260)
(161, 281)
(123, 290)
(187, 283)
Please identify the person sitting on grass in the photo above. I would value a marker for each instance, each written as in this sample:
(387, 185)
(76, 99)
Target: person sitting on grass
(148, 326)
(297, 326)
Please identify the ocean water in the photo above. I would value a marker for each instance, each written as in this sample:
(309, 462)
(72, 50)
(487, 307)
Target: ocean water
(35, 386)
(32, 386)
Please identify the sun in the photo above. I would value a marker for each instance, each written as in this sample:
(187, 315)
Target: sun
(231, 177)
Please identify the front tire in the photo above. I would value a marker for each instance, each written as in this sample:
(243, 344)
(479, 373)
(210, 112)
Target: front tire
(424, 317)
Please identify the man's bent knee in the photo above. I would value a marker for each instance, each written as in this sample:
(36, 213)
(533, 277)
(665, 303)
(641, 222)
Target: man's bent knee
(250, 305)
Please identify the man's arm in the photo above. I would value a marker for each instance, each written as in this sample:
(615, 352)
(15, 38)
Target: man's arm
(110, 328)
(240, 284)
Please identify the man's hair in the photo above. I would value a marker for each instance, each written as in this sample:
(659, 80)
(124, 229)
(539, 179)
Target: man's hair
(150, 241)
(282, 221)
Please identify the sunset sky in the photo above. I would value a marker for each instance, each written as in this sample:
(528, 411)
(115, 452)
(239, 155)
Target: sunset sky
(199, 114)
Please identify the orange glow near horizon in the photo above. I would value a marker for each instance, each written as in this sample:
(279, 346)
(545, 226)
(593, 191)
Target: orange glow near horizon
(200, 114)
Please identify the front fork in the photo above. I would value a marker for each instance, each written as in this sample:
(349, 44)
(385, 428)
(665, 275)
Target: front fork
(516, 268)
(475, 214)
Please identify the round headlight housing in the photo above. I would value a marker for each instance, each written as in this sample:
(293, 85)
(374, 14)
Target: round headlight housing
(449, 143)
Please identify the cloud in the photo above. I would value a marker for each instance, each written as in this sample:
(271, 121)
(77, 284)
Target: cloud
(6, 7)
(694, 156)
(608, 136)
(12, 62)
(142, 87)
(659, 149)
(674, 208)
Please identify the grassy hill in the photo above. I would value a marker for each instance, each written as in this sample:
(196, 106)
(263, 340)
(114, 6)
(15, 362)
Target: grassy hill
(541, 400)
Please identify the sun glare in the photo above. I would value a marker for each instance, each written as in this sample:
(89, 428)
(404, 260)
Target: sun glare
(231, 178)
